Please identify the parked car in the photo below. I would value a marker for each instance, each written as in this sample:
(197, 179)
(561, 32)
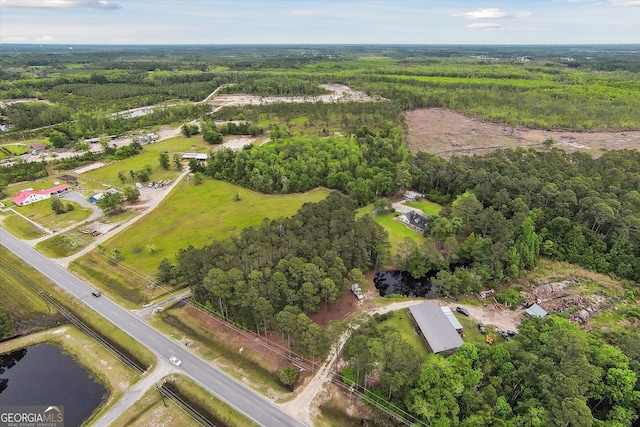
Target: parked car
(138, 185)
(96, 294)
(483, 329)
(511, 333)
(150, 184)
(175, 361)
(462, 311)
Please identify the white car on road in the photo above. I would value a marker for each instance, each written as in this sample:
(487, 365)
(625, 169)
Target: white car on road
(175, 361)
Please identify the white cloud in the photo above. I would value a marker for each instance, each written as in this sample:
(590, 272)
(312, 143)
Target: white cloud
(625, 2)
(485, 26)
(58, 4)
(490, 13)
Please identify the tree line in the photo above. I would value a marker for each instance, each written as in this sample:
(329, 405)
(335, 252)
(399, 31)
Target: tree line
(284, 269)
(362, 166)
(512, 205)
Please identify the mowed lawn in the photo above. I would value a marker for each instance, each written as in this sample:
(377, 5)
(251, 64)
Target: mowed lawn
(150, 155)
(429, 208)
(197, 215)
(397, 230)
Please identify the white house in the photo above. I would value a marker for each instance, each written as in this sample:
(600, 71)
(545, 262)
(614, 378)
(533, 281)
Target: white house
(29, 196)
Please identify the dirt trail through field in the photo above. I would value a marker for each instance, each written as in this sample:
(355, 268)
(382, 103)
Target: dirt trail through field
(446, 133)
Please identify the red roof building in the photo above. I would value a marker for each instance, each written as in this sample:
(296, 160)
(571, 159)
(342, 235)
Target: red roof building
(26, 197)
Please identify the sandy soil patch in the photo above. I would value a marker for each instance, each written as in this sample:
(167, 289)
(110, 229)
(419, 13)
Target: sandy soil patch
(339, 93)
(236, 144)
(88, 168)
(446, 133)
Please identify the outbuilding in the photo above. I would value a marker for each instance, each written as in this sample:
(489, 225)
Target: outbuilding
(435, 327)
(69, 179)
(452, 319)
(536, 311)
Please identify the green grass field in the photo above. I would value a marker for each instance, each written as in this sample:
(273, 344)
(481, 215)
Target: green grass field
(149, 156)
(11, 150)
(20, 227)
(397, 230)
(24, 304)
(190, 215)
(197, 215)
(65, 244)
(429, 208)
(42, 214)
(401, 322)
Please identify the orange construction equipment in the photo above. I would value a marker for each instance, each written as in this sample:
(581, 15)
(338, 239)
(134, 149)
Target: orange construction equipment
(488, 339)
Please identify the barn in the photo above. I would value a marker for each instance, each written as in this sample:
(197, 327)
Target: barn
(29, 196)
(435, 327)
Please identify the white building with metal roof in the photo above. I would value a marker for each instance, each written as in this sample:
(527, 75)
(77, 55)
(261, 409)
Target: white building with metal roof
(436, 328)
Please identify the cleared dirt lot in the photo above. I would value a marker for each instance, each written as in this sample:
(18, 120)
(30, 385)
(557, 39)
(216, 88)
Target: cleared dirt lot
(446, 133)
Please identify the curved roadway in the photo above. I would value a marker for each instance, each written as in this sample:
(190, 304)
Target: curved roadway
(234, 393)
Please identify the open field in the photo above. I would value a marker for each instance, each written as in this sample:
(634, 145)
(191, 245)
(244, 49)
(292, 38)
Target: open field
(445, 133)
(212, 340)
(42, 214)
(20, 227)
(197, 215)
(27, 308)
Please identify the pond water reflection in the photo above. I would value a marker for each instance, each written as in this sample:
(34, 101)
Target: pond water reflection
(44, 375)
(402, 283)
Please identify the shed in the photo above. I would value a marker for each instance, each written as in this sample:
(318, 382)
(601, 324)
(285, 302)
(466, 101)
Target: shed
(69, 179)
(452, 319)
(197, 156)
(412, 196)
(536, 311)
(435, 327)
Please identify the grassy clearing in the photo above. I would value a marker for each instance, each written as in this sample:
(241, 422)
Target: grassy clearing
(42, 214)
(332, 415)
(20, 227)
(184, 324)
(149, 156)
(126, 286)
(429, 208)
(397, 230)
(103, 365)
(64, 245)
(197, 215)
(27, 308)
(11, 150)
(401, 322)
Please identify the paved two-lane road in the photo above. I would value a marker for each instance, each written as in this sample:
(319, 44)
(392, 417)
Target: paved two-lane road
(226, 388)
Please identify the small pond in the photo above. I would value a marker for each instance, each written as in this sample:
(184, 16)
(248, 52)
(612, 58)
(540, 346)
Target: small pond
(44, 375)
(402, 283)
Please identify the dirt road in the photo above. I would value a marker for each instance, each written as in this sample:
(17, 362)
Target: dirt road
(301, 406)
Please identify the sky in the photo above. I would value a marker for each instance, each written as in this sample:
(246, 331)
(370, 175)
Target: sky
(319, 21)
